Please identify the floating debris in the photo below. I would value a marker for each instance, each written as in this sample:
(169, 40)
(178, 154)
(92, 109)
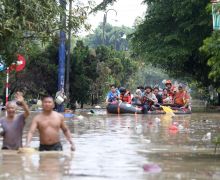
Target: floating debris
(207, 137)
(152, 168)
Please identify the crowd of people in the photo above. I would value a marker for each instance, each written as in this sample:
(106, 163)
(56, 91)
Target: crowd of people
(152, 98)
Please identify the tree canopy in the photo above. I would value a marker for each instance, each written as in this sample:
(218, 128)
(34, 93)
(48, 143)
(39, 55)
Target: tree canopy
(114, 36)
(23, 21)
(171, 35)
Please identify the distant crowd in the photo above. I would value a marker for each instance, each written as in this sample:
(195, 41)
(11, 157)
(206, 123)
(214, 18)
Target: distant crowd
(151, 98)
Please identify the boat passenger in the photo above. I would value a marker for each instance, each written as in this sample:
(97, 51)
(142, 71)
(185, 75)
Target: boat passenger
(166, 98)
(141, 88)
(158, 96)
(113, 95)
(12, 125)
(148, 99)
(136, 100)
(125, 95)
(181, 98)
(170, 88)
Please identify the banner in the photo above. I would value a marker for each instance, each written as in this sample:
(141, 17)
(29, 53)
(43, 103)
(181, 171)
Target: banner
(216, 14)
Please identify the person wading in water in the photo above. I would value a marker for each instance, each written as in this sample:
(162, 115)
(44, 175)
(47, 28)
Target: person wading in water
(48, 123)
(12, 124)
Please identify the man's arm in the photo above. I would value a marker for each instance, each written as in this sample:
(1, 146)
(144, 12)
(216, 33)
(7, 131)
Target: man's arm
(26, 109)
(19, 97)
(31, 131)
(107, 98)
(67, 134)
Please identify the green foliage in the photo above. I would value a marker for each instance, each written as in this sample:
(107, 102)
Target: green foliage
(170, 37)
(79, 77)
(40, 74)
(113, 36)
(103, 5)
(211, 49)
(24, 27)
(93, 70)
(22, 21)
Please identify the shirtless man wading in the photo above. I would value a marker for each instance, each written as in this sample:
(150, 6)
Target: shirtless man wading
(48, 124)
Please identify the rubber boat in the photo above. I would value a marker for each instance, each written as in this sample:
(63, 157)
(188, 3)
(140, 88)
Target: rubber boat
(122, 108)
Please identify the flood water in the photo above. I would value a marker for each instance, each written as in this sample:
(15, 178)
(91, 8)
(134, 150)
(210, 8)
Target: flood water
(125, 147)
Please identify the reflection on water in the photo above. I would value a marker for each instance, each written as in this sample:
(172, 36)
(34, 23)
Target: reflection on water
(125, 147)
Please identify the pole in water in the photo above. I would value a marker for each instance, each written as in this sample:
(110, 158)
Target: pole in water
(7, 85)
(62, 54)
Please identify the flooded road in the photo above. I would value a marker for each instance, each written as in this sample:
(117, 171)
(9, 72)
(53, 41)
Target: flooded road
(125, 147)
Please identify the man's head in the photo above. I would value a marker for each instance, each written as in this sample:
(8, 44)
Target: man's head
(165, 91)
(180, 88)
(168, 84)
(11, 108)
(122, 90)
(141, 88)
(156, 90)
(113, 88)
(48, 103)
(148, 89)
(138, 92)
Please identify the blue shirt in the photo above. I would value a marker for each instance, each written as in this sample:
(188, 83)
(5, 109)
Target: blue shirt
(113, 96)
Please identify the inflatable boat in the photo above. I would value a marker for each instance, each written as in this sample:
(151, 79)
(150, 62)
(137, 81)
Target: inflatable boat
(122, 108)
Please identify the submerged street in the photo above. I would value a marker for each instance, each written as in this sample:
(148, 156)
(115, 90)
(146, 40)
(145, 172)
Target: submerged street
(124, 147)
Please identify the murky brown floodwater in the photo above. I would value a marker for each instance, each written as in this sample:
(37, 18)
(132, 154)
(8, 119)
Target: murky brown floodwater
(114, 147)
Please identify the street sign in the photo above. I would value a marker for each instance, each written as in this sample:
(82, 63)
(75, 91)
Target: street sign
(19, 65)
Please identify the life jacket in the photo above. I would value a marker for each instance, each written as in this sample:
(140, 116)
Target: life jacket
(171, 92)
(126, 97)
(180, 98)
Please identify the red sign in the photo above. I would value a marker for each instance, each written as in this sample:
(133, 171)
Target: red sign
(19, 65)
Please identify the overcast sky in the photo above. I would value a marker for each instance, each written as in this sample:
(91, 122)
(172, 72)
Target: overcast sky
(127, 11)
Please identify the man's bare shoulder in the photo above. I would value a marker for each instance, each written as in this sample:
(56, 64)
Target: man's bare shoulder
(37, 117)
(53, 114)
(59, 115)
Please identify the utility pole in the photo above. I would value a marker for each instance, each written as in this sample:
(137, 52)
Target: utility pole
(62, 53)
(104, 23)
(68, 55)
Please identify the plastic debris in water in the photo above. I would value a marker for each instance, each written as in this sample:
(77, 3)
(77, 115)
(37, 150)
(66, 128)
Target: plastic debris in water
(173, 129)
(147, 140)
(207, 136)
(157, 120)
(69, 115)
(80, 117)
(91, 112)
(152, 168)
(138, 129)
(180, 127)
(97, 107)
